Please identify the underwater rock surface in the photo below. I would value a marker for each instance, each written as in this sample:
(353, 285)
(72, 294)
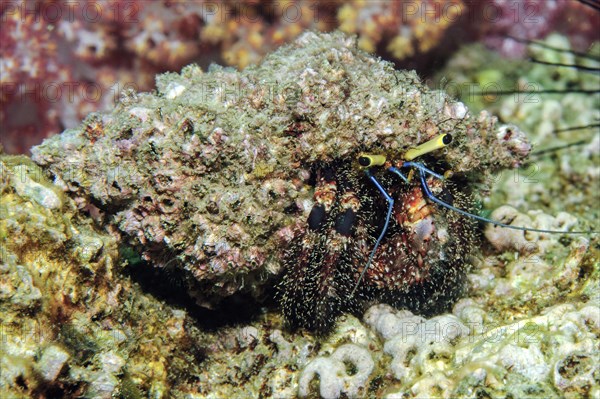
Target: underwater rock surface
(71, 324)
(209, 174)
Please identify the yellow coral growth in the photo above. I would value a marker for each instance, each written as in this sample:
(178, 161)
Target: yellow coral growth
(400, 47)
(403, 27)
(347, 15)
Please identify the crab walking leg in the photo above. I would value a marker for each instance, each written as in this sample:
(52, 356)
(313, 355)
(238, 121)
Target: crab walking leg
(305, 255)
(321, 265)
(333, 274)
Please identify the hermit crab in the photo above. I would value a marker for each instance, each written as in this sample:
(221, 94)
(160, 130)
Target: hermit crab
(323, 170)
(394, 230)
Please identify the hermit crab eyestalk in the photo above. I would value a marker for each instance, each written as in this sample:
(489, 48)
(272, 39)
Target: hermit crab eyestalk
(368, 160)
(435, 143)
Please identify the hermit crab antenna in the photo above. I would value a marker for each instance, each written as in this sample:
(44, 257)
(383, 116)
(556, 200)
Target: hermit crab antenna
(390, 202)
(422, 170)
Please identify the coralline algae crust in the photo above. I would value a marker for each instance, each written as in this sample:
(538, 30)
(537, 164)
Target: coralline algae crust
(208, 174)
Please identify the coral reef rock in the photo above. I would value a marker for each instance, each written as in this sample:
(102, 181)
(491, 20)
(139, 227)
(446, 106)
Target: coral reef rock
(71, 324)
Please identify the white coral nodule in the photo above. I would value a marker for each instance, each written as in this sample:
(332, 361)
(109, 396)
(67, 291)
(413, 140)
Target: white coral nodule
(333, 376)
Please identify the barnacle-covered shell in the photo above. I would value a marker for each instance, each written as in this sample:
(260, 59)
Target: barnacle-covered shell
(207, 174)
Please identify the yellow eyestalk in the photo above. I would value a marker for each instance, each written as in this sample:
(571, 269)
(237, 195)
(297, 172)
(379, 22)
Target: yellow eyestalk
(368, 160)
(434, 144)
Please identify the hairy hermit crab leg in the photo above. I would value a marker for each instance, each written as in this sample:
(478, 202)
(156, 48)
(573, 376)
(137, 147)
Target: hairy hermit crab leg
(390, 202)
(423, 170)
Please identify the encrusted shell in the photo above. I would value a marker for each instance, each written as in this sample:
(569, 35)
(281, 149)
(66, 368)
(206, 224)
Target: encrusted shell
(205, 175)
